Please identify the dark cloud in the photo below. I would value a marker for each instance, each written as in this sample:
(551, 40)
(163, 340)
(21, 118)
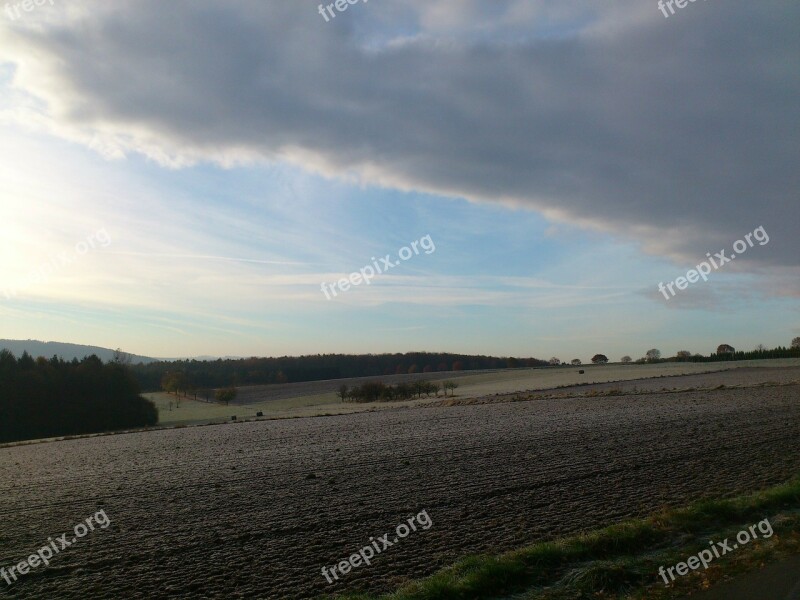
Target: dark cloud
(683, 133)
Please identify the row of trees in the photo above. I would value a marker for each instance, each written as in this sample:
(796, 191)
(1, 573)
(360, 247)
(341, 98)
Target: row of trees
(598, 359)
(724, 352)
(376, 391)
(48, 398)
(189, 376)
(177, 382)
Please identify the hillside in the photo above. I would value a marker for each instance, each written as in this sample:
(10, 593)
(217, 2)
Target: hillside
(63, 350)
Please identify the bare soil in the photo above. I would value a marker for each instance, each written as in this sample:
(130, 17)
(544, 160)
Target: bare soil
(255, 510)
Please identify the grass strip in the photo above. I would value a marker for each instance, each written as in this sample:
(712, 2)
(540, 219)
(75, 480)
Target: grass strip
(621, 561)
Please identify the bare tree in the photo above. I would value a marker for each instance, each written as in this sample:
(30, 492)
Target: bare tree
(577, 362)
(226, 395)
(626, 359)
(449, 385)
(796, 342)
(653, 355)
(122, 358)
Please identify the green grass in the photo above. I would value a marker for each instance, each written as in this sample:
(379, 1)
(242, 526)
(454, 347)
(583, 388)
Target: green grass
(194, 412)
(621, 561)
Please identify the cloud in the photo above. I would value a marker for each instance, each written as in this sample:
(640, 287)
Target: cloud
(682, 134)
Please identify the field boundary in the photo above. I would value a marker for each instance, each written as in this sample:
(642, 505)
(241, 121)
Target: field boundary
(559, 393)
(332, 410)
(621, 561)
(613, 393)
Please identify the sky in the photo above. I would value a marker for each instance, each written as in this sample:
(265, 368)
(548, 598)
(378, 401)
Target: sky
(180, 179)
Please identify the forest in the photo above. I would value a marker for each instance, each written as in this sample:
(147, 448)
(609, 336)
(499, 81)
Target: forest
(42, 398)
(219, 373)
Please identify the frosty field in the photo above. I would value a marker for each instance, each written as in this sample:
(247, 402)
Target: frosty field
(254, 510)
(319, 397)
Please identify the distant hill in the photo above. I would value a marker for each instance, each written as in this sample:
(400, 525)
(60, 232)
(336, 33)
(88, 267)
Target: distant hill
(66, 351)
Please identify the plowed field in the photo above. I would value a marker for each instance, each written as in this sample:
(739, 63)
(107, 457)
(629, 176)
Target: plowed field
(255, 510)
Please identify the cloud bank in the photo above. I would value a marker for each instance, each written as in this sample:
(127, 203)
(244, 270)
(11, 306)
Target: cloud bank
(682, 134)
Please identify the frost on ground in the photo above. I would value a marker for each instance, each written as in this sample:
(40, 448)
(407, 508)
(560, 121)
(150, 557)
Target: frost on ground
(256, 509)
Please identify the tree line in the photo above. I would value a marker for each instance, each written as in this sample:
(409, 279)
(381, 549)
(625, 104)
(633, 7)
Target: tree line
(47, 398)
(724, 352)
(204, 376)
(193, 375)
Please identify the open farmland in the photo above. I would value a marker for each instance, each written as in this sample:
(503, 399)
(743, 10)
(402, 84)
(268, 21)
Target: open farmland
(314, 398)
(476, 383)
(255, 510)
